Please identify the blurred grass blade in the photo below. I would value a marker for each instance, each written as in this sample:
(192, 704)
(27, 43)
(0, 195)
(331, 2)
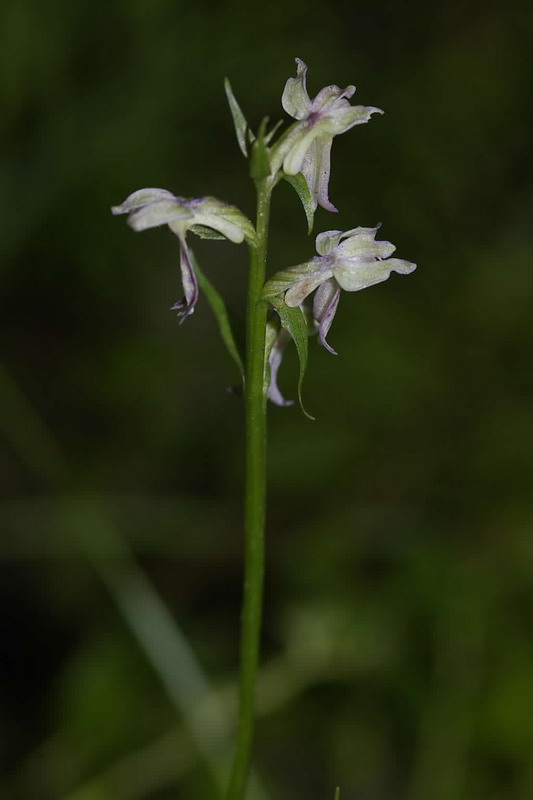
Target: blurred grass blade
(148, 617)
(154, 627)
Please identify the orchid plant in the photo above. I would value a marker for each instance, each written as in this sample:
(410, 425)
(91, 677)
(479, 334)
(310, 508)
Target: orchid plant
(276, 313)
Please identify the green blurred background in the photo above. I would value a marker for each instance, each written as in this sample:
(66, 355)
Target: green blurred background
(398, 639)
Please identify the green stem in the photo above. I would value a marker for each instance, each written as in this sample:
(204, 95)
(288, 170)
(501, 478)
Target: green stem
(255, 497)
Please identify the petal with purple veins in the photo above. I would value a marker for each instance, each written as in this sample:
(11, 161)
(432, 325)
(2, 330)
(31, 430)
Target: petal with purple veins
(189, 282)
(275, 359)
(140, 198)
(162, 212)
(331, 98)
(316, 169)
(325, 305)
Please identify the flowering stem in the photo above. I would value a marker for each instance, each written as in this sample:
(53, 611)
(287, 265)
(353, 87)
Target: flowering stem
(255, 497)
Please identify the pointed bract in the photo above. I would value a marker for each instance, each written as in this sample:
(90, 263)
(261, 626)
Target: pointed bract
(325, 305)
(277, 340)
(239, 120)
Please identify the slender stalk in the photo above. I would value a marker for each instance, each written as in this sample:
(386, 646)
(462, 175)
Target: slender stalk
(255, 497)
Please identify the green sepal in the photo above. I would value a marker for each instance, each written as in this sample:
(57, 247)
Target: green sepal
(269, 136)
(239, 120)
(230, 326)
(301, 187)
(206, 233)
(293, 320)
(260, 156)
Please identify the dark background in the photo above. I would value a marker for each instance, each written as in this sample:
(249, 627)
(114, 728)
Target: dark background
(398, 648)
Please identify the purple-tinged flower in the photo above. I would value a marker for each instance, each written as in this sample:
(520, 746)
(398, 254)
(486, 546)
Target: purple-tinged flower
(351, 261)
(205, 216)
(307, 147)
(277, 339)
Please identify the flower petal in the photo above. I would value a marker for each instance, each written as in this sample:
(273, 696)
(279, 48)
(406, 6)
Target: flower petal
(326, 242)
(345, 118)
(362, 242)
(161, 212)
(189, 281)
(141, 198)
(325, 305)
(329, 241)
(355, 274)
(331, 97)
(295, 100)
(316, 169)
(275, 358)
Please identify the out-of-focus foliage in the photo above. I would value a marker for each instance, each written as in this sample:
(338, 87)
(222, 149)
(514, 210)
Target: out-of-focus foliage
(398, 642)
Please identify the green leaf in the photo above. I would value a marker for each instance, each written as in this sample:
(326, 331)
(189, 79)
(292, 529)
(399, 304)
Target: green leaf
(230, 326)
(293, 320)
(299, 183)
(260, 157)
(239, 120)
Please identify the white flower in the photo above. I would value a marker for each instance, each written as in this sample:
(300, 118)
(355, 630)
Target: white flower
(149, 208)
(307, 147)
(350, 260)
